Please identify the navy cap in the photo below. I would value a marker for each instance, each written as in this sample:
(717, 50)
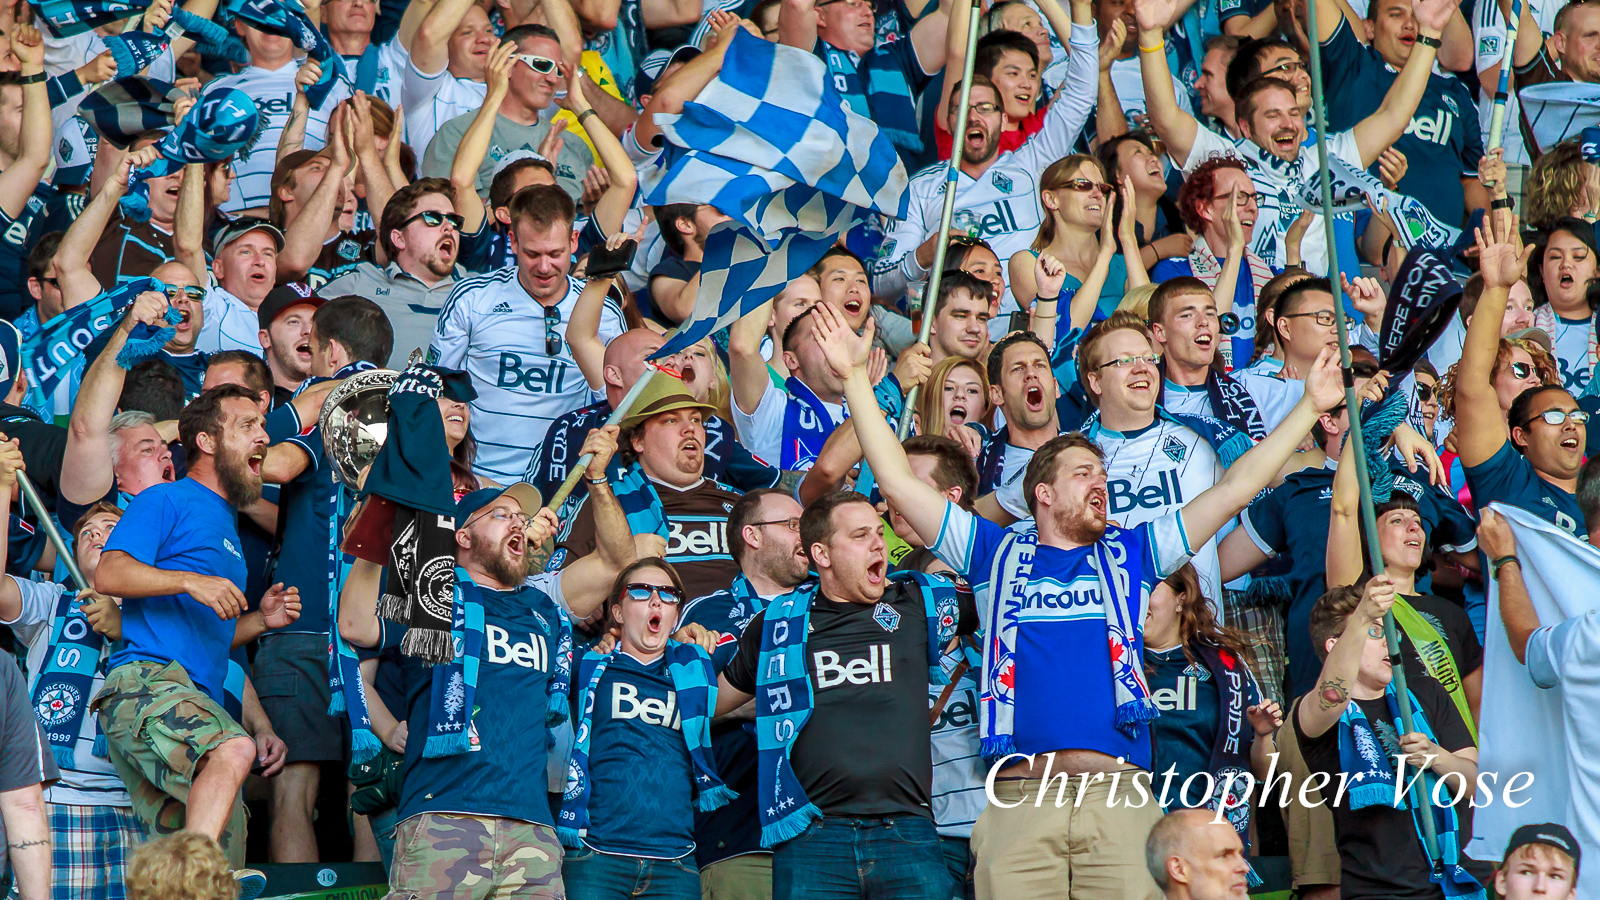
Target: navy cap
(524, 493)
(1550, 833)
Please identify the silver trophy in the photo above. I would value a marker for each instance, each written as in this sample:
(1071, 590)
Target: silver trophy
(355, 422)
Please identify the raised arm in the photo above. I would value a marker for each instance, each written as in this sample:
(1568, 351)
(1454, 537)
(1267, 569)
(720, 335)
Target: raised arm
(1321, 711)
(11, 462)
(684, 85)
(358, 605)
(1480, 426)
(188, 227)
(797, 24)
(583, 328)
(617, 198)
(293, 136)
(430, 46)
(1205, 515)
(1344, 524)
(847, 354)
(78, 283)
(27, 170)
(369, 162)
(86, 463)
(304, 237)
(586, 581)
(1174, 126)
(1109, 119)
(1377, 132)
(747, 368)
(474, 144)
(1516, 607)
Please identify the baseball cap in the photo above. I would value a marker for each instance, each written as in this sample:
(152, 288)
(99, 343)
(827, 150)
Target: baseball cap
(644, 82)
(1550, 833)
(281, 298)
(1536, 335)
(664, 393)
(526, 495)
(237, 228)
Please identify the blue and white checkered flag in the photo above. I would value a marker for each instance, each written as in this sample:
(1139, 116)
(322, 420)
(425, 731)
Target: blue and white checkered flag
(771, 144)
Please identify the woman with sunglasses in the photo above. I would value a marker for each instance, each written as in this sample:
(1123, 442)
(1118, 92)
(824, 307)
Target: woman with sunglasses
(642, 764)
(1080, 231)
(1520, 364)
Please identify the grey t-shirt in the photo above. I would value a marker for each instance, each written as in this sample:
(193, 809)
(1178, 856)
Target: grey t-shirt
(25, 758)
(572, 163)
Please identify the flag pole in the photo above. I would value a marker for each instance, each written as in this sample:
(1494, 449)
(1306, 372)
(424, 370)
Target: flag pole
(1369, 519)
(63, 553)
(1502, 94)
(957, 138)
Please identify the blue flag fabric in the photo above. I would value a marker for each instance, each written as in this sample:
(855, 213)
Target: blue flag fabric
(776, 149)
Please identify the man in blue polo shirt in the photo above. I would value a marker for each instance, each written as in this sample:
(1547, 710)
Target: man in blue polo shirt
(175, 561)
(1443, 142)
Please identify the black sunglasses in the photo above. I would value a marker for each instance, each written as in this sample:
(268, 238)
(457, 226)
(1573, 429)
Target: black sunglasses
(552, 340)
(1424, 392)
(433, 219)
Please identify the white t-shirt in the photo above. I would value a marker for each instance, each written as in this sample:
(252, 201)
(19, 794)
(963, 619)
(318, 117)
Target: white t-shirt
(761, 432)
(1274, 396)
(1153, 472)
(1571, 344)
(90, 780)
(432, 100)
(228, 324)
(1186, 400)
(273, 92)
(1129, 82)
(1563, 655)
(491, 327)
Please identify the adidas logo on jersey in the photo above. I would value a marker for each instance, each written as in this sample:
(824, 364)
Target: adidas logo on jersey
(501, 307)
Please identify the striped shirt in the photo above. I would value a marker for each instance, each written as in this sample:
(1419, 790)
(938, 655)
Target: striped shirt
(273, 92)
(432, 100)
(494, 329)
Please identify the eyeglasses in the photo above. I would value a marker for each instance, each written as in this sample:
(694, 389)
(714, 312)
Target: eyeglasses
(503, 515)
(1246, 198)
(793, 524)
(1324, 317)
(552, 340)
(53, 282)
(1520, 370)
(544, 65)
(1424, 392)
(185, 290)
(1084, 186)
(1293, 65)
(848, 4)
(1560, 417)
(641, 592)
(982, 107)
(433, 219)
(1127, 362)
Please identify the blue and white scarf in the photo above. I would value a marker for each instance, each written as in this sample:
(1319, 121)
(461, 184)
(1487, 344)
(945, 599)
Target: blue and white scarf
(76, 656)
(1374, 782)
(885, 97)
(222, 124)
(286, 18)
(454, 690)
(784, 699)
(694, 681)
(806, 426)
(1229, 401)
(1228, 442)
(1118, 561)
(63, 339)
(1352, 187)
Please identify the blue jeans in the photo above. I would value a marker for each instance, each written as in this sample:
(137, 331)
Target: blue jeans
(383, 824)
(887, 858)
(589, 875)
(958, 862)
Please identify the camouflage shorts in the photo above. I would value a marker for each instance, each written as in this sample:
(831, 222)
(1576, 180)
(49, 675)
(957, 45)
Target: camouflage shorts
(455, 857)
(157, 726)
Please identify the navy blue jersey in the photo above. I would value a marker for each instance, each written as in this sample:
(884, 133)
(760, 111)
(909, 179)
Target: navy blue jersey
(643, 796)
(503, 774)
(1443, 141)
(1507, 477)
(313, 511)
(16, 239)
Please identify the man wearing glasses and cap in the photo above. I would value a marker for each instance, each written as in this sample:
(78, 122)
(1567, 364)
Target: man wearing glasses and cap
(420, 231)
(535, 77)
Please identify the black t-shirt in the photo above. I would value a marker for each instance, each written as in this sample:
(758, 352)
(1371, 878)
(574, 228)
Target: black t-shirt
(866, 750)
(1380, 855)
(1453, 625)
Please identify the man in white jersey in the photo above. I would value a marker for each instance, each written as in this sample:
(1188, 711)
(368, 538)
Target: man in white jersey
(1154, 463)
(246, 268)
(1187, 331)
(445, 75)
(1000, 189)
(269, 81)
(374, 69)
(1271, 118)
(783, 426)
(508, 328)
(1489, 37)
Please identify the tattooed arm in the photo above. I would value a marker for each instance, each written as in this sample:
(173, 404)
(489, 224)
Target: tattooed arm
(27, 839)
(1320, 711)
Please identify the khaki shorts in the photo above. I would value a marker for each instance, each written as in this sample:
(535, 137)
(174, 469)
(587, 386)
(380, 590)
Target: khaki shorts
(1313, 851)
(747, 877)
(157, 726)
(1084, 850)
(439, 855)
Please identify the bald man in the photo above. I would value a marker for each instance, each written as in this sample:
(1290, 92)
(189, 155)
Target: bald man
(186, 295)
(625, 362)
(1194, 856)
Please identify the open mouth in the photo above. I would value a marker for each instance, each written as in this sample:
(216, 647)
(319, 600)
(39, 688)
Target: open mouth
(447, 247)
(655, 623)
(1035, 397)
(517, 543)
(958, 414)
(303, 350)
(170, 473)
(686, 373)
(1139, 383)
(977, 138)
(1285, 140)
(1203, 341)
(1155, 169)
(1097, 503)
(254, 462)
(1565, 279)
(690, 447)
(258, 276)
(852, 306)
(456, 420)
(1025, 98)
(1408, 39)
(876, 570)
(1571, 443)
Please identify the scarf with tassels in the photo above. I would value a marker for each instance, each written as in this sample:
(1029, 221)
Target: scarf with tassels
(694, 683)
(1375, 782)
(1230, 749)
(784, 698)
(452, 696)
(222, 124)
(77, 655)
(49, 355)
(1118, 561)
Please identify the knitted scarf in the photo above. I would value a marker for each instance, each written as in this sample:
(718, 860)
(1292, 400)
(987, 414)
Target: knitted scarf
(1230, 749)
(76, 655)
(1375, 782)
(62, 340)
(1229, 401)
(806, 426)
(694, 682)
(1118, 561)
(119, 111)
(453, 694)
(222, 124)
(64, 18)
(784, 698)
(1206, 267)
(286, 18)
(881, 92)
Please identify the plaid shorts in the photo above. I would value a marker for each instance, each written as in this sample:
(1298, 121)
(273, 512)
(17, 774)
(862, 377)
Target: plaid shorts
(1263, 624)
(89, 850)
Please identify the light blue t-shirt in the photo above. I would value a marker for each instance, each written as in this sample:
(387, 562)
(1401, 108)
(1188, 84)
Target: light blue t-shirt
(182, 526)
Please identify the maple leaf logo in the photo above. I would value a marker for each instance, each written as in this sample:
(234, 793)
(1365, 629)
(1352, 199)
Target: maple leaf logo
(1226, 657)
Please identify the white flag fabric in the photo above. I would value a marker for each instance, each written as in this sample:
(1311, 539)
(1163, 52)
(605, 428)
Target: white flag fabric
(1551, 733)
(1560, 110)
